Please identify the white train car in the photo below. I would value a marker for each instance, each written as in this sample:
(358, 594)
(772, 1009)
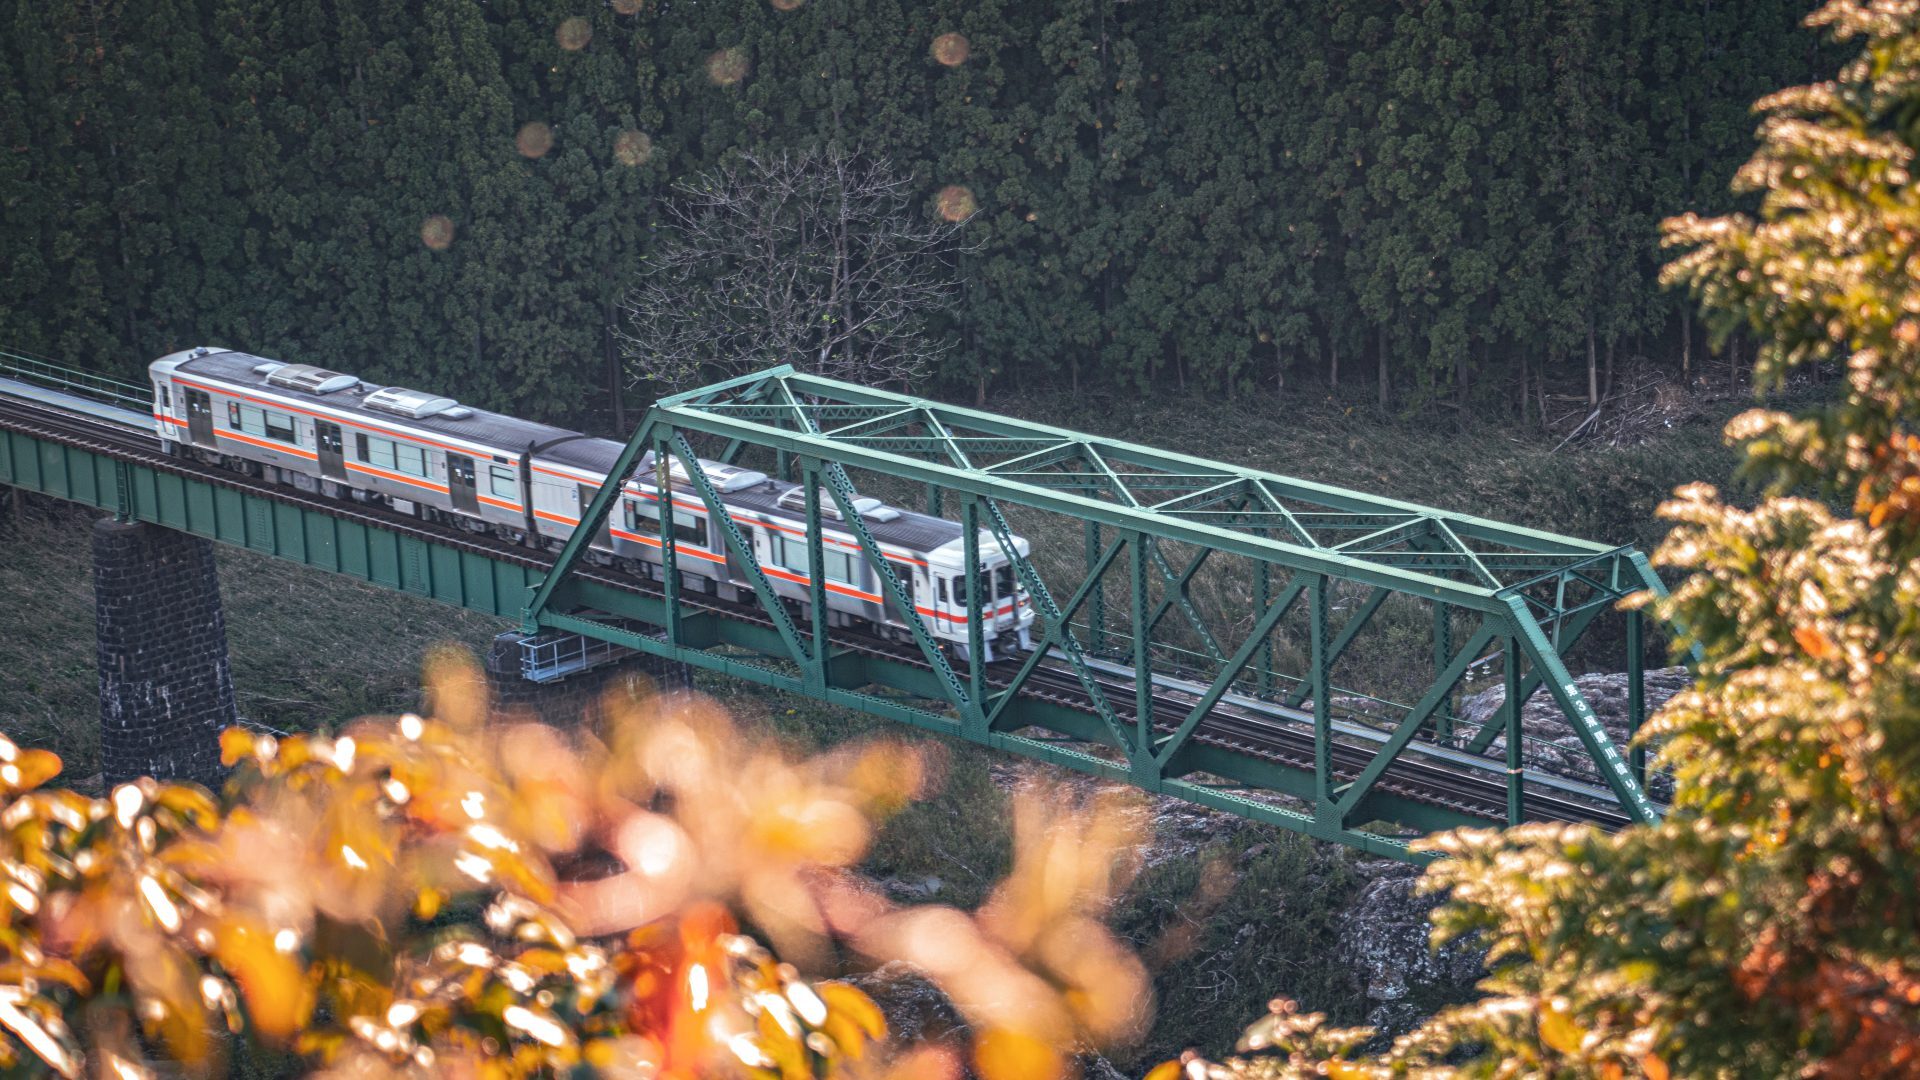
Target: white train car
(327, 432)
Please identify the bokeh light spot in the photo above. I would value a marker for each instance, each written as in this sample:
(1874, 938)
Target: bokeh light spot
(534, 140)
(955, 202)
(437, 232)
(574, 33)
(787, 5)
(626, 7)
(952, 49)
(632, 148)
(727, 66)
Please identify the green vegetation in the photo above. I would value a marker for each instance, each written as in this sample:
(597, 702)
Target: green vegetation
(1420, 200)
(1769, 926)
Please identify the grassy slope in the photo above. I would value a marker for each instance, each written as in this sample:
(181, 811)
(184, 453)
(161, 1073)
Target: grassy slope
(309, 648)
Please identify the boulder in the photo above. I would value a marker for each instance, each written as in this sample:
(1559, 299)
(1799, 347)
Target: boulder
(1550, 742)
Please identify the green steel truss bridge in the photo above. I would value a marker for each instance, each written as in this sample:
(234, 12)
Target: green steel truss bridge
(1195, 620)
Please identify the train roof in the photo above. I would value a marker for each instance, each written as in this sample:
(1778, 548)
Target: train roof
(510, 435)
(504, 433)
(918, 532)
(586, 452)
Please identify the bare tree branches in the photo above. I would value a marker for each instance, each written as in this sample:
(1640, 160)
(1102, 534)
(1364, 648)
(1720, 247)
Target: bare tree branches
(816, 258)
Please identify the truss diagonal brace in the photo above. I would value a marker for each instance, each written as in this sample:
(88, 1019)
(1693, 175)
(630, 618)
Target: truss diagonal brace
(1177, 595)
(1415, 719)
(1607, 759)
(1057, 627)
(1354, 624)
(1164, 751)
(589, 524)
(1575, 630)
(742, 550)
(843, 494)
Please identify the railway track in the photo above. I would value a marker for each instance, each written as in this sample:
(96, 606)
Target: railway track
(1232, 725)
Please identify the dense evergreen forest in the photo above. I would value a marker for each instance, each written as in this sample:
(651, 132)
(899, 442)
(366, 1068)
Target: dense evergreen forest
(1446, 200)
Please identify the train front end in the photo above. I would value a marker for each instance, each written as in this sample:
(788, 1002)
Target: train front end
(1005, 605)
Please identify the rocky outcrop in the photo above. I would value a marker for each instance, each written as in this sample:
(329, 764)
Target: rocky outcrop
(1549, 742)
(1386, 936)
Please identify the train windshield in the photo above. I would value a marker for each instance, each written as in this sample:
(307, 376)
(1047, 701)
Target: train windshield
(995, 584)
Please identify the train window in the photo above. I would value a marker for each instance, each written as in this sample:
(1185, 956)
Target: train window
(839, 565)
(376, 451)
(688, 527)
(789, 551)
(280, 426)
(1003, 581)
(249, 418)
(233, 415)
(166, 399)
(503, 482)
(411, 459)
(945, 596)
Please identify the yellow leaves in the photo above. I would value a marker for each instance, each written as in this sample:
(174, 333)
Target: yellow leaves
(1558, 1029)
(862, 1019)
(295, 907)
(1008, 1054)
(1166, 1070)
(1654, 1067)
(1036, 973)
(456, 688)
(887, 775)
(44, 1035)
(273, 981)
(24, 770)
(236, 744)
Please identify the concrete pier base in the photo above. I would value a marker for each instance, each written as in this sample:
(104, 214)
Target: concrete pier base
(165, 688)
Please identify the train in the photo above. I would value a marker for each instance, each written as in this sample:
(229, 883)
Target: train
(336, 435)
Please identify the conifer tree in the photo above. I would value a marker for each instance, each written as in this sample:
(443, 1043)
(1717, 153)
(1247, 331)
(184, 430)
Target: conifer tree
(1768, 926)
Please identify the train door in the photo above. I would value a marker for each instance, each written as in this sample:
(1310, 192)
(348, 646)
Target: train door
(905, 573)
(949, 606)
(333, 452)
(461, 486)
(200, 418)
(587, 492)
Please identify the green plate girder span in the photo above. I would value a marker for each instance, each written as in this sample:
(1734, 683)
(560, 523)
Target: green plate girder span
(303, 530)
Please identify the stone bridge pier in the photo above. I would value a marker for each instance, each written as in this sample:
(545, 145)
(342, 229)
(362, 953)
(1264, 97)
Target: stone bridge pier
(165, 688)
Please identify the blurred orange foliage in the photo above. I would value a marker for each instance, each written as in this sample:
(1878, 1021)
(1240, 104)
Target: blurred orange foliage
(464, 894)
